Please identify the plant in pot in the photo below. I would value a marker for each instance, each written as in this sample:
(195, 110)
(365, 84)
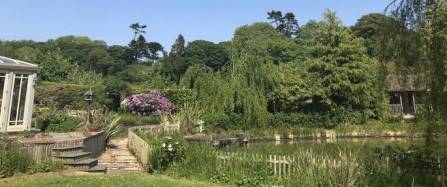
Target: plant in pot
(93, 127)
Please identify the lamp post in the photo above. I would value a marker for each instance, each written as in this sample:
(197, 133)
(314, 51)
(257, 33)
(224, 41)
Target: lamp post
(88, 97)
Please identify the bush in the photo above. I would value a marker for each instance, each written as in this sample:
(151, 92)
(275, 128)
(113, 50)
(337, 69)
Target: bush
(59, 121)
(108, 121)
(170, 152)
(45, 165)
(116, 88)
(216, 121)
(178, 96)
(58, 96)
(149, 104)
(14, 158)
(130, 120)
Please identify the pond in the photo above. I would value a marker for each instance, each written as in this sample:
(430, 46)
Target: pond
(364, 145)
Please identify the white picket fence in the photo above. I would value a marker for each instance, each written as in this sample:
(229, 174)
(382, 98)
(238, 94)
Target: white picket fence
(281, 165)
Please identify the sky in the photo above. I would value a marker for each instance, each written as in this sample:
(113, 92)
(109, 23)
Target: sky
(109, 20)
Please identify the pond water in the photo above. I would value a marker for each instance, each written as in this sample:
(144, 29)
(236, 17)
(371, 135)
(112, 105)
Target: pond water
(365, 145)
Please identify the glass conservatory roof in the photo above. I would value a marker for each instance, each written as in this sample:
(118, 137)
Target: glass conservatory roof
(10, 63)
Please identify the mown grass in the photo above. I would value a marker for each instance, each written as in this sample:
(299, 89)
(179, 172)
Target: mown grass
(117, 180)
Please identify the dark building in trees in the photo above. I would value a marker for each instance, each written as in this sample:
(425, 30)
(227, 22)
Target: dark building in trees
(406, 93)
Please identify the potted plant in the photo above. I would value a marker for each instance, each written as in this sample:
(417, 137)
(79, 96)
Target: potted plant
(93, 128)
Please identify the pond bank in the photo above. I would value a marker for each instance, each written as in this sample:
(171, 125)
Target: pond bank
(331, 134)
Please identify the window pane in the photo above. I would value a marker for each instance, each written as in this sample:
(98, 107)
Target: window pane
(14, 101)
(22, 99)
(2, 85)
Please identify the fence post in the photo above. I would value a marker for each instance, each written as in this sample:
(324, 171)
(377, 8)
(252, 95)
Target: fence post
(274, 164)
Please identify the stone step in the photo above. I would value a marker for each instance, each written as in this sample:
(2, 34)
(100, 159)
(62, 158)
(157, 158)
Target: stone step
(121, 166)
(73, 157)
(67, 150)
(114, 156)
(83, 164)
(98, 169)
(126, 169)
(117, 160)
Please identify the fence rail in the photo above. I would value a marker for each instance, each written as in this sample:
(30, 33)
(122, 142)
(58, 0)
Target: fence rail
(281, 165)
(139, 148)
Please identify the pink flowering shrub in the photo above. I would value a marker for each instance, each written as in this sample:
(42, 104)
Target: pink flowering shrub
(149, 104)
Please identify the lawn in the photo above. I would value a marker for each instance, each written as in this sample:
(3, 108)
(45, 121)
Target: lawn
(74, 180)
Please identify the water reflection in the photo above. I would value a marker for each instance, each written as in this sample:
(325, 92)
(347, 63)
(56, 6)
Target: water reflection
(364, 144)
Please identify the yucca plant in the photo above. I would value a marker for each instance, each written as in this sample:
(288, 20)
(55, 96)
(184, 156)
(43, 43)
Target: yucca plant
(185, 118)
(108, 121)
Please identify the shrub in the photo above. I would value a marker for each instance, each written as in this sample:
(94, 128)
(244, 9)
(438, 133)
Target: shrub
(169, 150)
(115, 89)
(55, 95)
(45, 165)
(185, 117)
(149, 104)
(129, 120)
(217, 121)
(59, 121)
(14, 158)
(109, 123)
(178, 96)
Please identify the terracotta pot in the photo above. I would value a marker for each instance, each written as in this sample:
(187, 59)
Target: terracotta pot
(93, 128)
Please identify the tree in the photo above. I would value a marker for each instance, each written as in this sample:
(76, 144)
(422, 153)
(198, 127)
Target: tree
(136, 73)
(341, 68)
(138, 29)
(28, 54)
(369, 27)
(174, 65)
(252, 70)
(100, 61)
(205, 53)
(138, 45)
(121, 55)
(294, 90)
(419, 47)
(286, 25)
(153, 49)
(55, 67)
(115, 88)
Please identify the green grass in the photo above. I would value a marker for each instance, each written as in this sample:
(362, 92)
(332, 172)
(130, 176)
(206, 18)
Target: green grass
(129, 179)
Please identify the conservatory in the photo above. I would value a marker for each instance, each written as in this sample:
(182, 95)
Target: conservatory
(17, 81)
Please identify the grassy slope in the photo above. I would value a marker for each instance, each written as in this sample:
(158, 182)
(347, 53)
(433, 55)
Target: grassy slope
(71, 180)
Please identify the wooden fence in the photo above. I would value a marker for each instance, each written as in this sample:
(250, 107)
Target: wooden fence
(140, 148)
(93, 144)
(281, 165)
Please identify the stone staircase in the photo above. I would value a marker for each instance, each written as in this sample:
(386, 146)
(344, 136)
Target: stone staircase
(76, 159)
(118, 158)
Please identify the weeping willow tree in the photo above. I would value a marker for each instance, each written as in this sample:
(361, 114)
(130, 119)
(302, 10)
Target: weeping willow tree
(419, 46)
(243, 85)
(213, 92)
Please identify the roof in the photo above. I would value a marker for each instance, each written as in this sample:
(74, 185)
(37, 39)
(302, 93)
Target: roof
(406, 83)
(9, 63)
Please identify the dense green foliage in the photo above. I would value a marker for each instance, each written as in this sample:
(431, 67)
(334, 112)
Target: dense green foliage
(321, 74)
(16, 159)
(59, 121)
